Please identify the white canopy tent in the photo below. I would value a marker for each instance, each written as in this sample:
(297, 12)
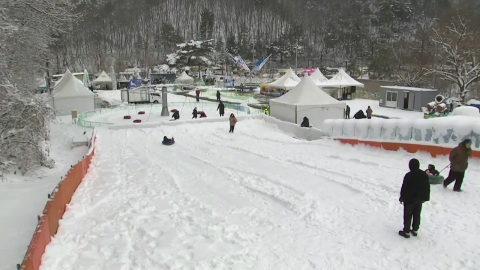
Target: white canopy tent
(70, 94)
(103, 81)
(340, 80)
(318, 78)
(184, 79)
(287, 81)
(306, 99)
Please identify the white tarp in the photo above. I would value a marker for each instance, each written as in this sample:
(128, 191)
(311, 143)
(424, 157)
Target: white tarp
(306, 99)
(184, 79)
(70, 94)
(340, 80)
(287, 81)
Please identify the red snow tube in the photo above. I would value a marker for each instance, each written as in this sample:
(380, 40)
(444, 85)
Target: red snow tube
(137, 121)
(127, 117)
(202, 114)
(174, 110)
(141, 112)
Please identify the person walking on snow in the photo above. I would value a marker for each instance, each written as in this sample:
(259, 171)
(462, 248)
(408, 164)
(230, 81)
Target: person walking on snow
(458, 164)
(369, 112)
(194, 113)
(221, 109)
(414, 192)
(233, 121)
(197, 95)
(218, 95)
(347, 112)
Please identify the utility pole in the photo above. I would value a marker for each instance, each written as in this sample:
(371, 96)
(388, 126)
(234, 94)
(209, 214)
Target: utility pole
(296, 57)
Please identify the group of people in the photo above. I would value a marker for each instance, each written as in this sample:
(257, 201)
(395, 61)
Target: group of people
(360, 114)
(416, 186)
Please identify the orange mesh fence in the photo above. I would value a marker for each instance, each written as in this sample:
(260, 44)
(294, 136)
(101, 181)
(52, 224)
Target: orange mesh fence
(434, 150)
(52, 213)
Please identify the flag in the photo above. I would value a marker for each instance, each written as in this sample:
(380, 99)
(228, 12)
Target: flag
(261, 62)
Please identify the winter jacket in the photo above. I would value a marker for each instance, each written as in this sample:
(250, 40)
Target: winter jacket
(459, 158)
(416, 185)
(232, 120)
(369, 112)
(305, 123)
(221, 107)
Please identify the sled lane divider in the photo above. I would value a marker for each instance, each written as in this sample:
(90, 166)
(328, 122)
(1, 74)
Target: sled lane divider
(433, 150)
(54, 209)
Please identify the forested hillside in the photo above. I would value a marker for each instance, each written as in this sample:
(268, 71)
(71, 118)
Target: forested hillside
(366, 33)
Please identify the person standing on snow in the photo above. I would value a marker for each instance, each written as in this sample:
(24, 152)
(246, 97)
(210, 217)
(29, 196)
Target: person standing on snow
(305, 122)
(218, 95)
(197, 95)
(369, 112)
(194, 113)
(233, 121)
(458, 164)
(221, 109)
(414, 192)
(347, 112)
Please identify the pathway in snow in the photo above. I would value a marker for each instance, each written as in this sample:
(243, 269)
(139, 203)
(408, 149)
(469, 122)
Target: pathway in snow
(256, 199)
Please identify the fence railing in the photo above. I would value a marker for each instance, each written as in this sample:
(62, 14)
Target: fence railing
(82, 119)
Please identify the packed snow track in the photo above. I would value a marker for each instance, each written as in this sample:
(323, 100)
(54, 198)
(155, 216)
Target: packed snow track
(255, 199)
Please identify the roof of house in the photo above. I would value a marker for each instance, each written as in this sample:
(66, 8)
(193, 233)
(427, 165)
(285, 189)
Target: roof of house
(413, 89)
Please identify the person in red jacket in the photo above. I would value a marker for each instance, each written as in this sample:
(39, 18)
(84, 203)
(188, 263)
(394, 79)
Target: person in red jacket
(415, 191)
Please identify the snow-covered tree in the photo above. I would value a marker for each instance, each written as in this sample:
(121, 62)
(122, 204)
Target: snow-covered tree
(458, 45)
(26, 31)
(193, 53)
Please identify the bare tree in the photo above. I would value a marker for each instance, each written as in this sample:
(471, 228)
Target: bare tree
(457, 42)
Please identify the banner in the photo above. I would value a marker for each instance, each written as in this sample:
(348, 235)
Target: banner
(237, 60)
(260, 63)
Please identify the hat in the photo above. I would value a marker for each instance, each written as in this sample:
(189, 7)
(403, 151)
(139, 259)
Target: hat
(467, 141)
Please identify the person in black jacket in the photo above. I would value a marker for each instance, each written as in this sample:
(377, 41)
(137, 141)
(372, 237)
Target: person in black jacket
(221, 108)
(305, 122)
(415, 191)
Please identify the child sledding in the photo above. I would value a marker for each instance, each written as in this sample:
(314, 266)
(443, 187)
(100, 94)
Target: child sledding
(434, 176)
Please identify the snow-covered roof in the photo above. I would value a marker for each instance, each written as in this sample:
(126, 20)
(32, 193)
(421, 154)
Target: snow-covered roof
(123, 79)
(308, 93)
(414, 89)
(317, 77)
(69, 86)
(287, 81)
(103, 77)
(341, 79)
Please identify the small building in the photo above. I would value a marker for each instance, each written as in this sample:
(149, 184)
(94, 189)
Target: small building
(407, 98)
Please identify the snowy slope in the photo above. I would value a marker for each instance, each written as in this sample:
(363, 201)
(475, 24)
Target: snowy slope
(24, 197)
(256, 199)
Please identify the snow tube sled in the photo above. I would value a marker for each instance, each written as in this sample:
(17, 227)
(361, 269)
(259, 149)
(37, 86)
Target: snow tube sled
(168, 142)
(435, 179)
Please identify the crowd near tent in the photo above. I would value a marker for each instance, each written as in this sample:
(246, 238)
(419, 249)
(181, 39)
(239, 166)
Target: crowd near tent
(184, 79)
(318, 78)
(103, 81)
(306, 99)
(70, 94)
(286, 82)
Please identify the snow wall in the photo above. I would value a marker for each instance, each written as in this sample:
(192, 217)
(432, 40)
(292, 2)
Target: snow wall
(48, 221)
(421, 134)
(287, 127)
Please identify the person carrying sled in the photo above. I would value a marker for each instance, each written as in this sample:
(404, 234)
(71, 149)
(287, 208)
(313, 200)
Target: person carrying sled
(194, 113)
(432, 171)
(218, 95)
(221, 109)
(414, 192)
(233, 121)
(305, 122)
(176, 115)
(458, 164)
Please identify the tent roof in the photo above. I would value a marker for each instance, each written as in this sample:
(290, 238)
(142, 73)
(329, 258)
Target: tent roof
(307, 93)
(342, 79)
(288, 81)
(103, 77)
(70, 86)
(184, 76)
(123, 79)
(317, 77)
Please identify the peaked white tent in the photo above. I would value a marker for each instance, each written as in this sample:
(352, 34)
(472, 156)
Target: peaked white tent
(287, 81)
(306, 99)
(318, 78)
(184, 79)
(341, 79)
(103, 81)
(70, 94)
